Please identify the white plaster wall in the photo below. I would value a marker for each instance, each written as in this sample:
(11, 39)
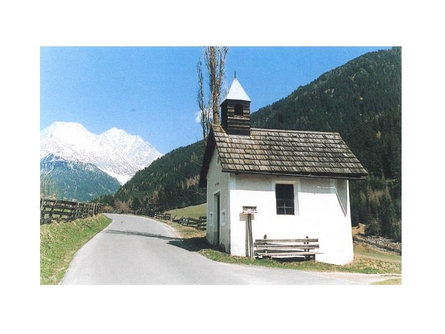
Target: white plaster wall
(321, 211)
(217, 182)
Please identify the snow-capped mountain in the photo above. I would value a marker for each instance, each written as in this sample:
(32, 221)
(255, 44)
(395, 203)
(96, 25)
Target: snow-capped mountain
(115, 152)
(74, 180)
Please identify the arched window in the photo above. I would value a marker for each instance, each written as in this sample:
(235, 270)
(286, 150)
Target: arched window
(238, 110)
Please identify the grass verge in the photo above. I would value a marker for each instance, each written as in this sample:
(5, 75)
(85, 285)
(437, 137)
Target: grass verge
(392, 281)
(185, 232)
(365, 265)
(367, 260)
(194, 211)
(60, 241)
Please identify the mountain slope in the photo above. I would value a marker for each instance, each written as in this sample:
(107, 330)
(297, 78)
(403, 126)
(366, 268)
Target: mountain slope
(69, 180)
(361, 100)
(169, 182)
(115, 152)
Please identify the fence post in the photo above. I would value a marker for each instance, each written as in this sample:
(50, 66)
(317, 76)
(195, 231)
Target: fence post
(67, 210)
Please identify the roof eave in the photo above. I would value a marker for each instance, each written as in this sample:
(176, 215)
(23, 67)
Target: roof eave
(314, 175)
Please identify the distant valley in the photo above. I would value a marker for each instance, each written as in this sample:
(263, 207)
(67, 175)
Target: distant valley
(74, 180)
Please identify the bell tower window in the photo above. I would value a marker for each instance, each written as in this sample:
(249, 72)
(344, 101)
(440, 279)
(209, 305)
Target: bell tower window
(238, 110)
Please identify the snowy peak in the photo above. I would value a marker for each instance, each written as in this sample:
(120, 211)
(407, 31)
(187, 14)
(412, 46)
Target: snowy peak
(66, 131)
(68, 140)
(116, 133)
(115, 152)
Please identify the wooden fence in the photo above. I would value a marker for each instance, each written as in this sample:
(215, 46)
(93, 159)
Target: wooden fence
(200, 223)
(51, 209)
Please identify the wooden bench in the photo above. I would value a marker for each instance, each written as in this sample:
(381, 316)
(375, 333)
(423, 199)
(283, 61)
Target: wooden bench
(286, 248)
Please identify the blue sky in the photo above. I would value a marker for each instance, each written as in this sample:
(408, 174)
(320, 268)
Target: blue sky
(151, 91)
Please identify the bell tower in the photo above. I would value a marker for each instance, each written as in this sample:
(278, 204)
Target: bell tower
(235, 111)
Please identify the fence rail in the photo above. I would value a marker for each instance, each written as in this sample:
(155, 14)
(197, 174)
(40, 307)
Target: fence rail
(200, 223)
(51, 209)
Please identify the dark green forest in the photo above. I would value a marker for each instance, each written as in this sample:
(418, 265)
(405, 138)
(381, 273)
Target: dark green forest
(169, 182)
(361, 100)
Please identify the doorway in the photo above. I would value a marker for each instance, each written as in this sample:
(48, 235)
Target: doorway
(217, 217)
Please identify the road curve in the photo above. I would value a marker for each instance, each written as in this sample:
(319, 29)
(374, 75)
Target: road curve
(139, 250)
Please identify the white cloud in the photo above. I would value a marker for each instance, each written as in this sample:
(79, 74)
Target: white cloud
(198, 115)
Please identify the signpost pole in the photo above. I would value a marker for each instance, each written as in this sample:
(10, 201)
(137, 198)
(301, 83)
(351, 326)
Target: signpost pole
(249, 210)
(249, 223)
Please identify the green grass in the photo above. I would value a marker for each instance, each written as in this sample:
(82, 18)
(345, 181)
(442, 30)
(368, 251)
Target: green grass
(194, 211)
(367, 259)
(186, 232)
(60, 241)
(371, 263)
(371, 252)
(392, 281)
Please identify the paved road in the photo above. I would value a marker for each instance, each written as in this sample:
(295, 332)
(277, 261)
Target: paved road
(138, 250)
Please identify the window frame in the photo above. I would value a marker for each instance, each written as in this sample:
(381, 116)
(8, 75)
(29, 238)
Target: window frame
(288, 205)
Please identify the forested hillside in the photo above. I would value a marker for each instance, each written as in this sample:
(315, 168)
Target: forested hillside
(73, 180)
(361, 100)
(169, 182)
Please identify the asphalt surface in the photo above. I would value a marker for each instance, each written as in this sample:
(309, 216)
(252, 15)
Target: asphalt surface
(138, 250)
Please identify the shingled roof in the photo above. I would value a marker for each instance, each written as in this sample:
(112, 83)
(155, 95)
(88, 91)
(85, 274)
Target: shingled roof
(282, 152)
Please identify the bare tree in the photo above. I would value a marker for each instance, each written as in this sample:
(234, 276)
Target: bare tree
(206, 122)
(215, 58)
(215, 61)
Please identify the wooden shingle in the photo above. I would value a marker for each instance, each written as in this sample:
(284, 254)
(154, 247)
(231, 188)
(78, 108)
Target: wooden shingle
(283, 152)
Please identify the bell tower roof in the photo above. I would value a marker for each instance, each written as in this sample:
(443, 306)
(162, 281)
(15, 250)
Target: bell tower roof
(236, 92)
(235, 111)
